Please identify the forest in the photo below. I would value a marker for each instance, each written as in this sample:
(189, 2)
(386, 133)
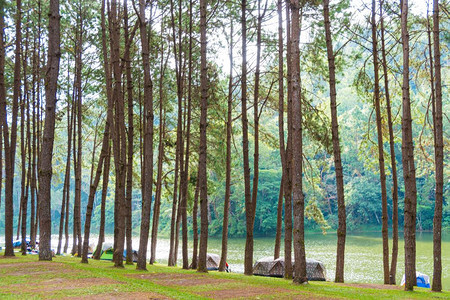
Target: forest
(186, 119)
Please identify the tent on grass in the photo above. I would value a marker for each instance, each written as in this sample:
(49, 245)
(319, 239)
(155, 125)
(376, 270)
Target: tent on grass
(423, 280)
(212, 262)
(267, 266)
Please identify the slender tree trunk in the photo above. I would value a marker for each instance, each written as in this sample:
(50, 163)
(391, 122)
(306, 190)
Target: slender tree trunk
(118, 137)
(130, 136)
(409, 172)
(251, 208)
(203, 182)
(439, 155)
(156, 208)
(248, 258)
(195, 226)
(341, 232)
(393, 269)
(45, 170)
(148, 142)
(93, 190)
(297, 144)
(276, 253)
(184, 187)
(226, 205)
(280, 127)
(288, 165)
(24, 140)
(65, 199)
(177, 53)
(79, 97)
(107, 163)
(384, 224)
(10, 145)
(101, 235)
(66, 188)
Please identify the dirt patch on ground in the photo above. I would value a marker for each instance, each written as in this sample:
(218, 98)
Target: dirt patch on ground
(122, 295)
(373, 286)
(57, 284)
(249, 292)
(35, 269)
(180, 279)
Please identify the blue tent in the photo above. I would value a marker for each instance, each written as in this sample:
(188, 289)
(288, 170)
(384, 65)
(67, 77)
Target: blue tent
(423, 280)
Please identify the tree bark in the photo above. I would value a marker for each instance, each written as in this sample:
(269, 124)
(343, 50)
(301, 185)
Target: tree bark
(10, 145)
(226, 205)
(203, 182)
(184, 187)
(280, 127)
(248, 258)
(101, 235)
(384, 223)
(130, 136)
(45, 170)
(297, 144)
(288, 165)
(118, 136)
(24, 142)
(409, 172)
(148, 141)
(162, 128)
(65, 197)
(439, 155)
(195, 226)
(393, 269)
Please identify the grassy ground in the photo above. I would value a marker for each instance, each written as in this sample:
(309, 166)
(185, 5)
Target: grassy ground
(66, 277)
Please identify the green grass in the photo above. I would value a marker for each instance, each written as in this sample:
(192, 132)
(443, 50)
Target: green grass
(221, 281)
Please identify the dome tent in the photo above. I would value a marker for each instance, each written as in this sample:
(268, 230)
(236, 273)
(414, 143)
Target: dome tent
(267, 266)
(423, 280)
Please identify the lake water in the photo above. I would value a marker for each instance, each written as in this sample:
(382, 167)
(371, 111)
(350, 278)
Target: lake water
(363, 256)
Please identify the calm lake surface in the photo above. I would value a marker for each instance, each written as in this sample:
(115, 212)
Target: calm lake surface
(363, 255)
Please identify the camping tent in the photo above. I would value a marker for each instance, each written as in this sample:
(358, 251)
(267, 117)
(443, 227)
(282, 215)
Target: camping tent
(423, 280)
(212, 262)
(108, 254)
(267, 266)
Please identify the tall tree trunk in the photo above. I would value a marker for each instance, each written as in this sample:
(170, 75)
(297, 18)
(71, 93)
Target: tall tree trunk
(277, 250)
(439, 155)
(93, 190)
(250, 214)
(78, 99)
(178, 71)
(24, 140)
(280, 126)
(45, 170)
(162, 124)
(185, 183)
(288, 165)
(384, 224)
(248, 258)
(10, 145)
(195, 226)
(226, 205)
(107, 163)
(203, 182)
(393, 269)
(297, 144)
(65, 198)
(130, 136)
(148, 141)
(341, 232)
(118, 136)
(409, 172)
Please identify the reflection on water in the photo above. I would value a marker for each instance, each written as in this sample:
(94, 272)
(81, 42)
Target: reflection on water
(363, 255)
